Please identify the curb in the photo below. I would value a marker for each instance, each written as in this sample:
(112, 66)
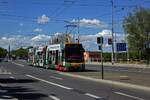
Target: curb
(123, 65)
(115, 83)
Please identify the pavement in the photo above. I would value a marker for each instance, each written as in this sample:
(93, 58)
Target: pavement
(136, 65)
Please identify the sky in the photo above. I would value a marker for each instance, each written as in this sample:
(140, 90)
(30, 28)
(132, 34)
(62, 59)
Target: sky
(33, 22)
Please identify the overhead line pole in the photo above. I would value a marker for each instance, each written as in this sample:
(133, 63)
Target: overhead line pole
(112, 56)
(78, 28)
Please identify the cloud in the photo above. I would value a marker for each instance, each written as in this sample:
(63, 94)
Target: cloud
(41, 37)
(43, 19)
(105, 33)
(17, 41)
(38, 30)
(89, 41)
(21, 24)
(95, 23)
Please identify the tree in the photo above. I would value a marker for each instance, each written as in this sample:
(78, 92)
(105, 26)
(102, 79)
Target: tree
(137, 27)
(21, 53)
(3, 52)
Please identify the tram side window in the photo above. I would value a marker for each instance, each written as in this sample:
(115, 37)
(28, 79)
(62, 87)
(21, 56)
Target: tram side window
(62, 55)
(56, 60)
(49, 57)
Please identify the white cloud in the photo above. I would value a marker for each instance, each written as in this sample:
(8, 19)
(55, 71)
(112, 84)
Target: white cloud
(4, 38)
(90, 23)
(88, 41)
(105, 33)
(41, 37)
(43, 19)
(17, 41)
(21, 24)
(38, 30)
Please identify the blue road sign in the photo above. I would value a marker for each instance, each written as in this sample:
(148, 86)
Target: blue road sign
(121, 47)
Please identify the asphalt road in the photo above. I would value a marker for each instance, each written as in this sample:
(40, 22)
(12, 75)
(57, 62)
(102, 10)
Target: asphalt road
(21, 82)
(118, 68)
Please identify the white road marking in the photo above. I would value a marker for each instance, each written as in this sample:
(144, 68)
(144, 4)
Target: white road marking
(53, 97)
(55, 84)
(12, 77)
(3, 85)
(5, 97)
(18, 64)
(127, 95)
(93, 96)
(58, 78)
(5, 73)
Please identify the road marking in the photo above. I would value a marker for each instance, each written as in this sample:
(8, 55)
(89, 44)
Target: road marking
(127, 95)
(6, 97)
(93, 96)
(5, 73)
(12, 77)
(3, 85)
(53, 97)
(18, 64)
(55, 84)
(58, 78)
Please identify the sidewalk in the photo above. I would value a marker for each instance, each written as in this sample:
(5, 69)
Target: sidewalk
(121, 64)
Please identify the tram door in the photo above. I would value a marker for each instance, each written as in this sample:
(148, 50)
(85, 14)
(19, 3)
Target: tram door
(55, 58)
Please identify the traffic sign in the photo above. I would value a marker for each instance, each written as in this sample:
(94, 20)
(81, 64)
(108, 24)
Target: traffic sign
(121, 47)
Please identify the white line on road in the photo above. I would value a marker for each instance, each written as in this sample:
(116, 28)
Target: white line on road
(58, 78)
(93, 96)
(18, 64)
(127, 95)
(5, 73)
(12, 77)
(3, 85)
(55, 84)
(53, 97)
(5, 97)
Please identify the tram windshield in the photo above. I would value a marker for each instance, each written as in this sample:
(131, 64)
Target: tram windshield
(74, 53)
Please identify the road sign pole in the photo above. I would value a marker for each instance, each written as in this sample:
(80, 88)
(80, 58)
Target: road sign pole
(102, 62)
(100, 42)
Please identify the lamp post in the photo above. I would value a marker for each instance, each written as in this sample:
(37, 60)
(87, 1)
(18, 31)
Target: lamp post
(112, 56)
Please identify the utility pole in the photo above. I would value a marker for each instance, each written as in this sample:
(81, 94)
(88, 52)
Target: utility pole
(112, 56)
(9, 52)
(78, 28)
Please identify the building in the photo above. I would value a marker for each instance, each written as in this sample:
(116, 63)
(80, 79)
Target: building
(92, 56)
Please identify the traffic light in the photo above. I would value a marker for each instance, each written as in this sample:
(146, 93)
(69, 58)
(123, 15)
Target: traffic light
(100, 40)
(109, 41)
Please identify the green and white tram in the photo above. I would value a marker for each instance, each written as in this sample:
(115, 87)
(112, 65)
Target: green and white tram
(65, 57)
(39, 57)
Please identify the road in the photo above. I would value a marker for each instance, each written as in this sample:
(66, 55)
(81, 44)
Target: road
(18, 81)
(118, 68)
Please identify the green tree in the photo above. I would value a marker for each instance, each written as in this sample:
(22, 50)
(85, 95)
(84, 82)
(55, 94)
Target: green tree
(137, 27)
(21, 53)
(3, 52)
